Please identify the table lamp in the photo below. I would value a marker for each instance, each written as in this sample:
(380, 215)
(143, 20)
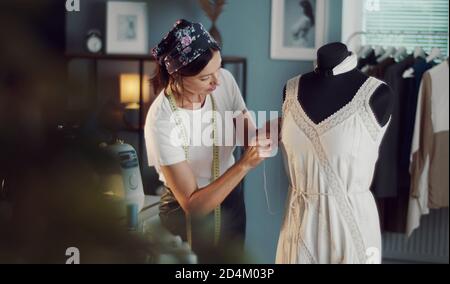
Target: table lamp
(129, 96)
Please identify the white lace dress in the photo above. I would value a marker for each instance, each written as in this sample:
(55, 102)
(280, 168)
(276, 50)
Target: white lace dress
(331, 216)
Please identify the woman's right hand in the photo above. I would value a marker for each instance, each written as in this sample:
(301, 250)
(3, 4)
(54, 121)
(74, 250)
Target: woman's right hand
(254, 155)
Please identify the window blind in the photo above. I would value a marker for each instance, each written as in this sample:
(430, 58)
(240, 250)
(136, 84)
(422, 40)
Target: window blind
(407, 23)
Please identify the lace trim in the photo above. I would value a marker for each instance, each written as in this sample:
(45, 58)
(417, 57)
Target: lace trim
(309, 129)
(288, 100)
(367, 114)
(359, 104)
(349, 109)
(305, 253)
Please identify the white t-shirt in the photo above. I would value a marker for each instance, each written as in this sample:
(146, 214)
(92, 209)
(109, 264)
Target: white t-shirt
(160, 128)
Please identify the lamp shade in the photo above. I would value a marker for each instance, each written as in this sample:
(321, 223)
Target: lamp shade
(129, 89)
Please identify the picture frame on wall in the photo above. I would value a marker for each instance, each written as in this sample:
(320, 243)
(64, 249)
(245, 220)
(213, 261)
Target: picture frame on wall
(126, 25)
(298, 28)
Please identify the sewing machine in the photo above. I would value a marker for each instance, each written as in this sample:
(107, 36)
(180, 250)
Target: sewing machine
(142, 212)
(133, 190)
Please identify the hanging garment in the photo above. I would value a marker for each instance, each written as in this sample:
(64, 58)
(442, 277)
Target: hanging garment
(331, 215)
(379, 70)
(408, 117)
(429, 154)
(386, 181)
(392, 197)
(391, 183)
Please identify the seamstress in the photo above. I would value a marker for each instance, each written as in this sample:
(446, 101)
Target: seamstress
(203, 202)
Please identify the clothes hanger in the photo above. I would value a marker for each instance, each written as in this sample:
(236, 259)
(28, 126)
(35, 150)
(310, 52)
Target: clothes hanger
(400, 54)
(366, 50)
(390, 51)
(419, 52)
(379, 50)
(434, 54)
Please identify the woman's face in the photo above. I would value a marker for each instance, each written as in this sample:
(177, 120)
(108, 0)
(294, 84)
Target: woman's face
(207, 80)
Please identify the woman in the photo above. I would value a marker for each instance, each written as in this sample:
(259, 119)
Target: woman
(203, 203)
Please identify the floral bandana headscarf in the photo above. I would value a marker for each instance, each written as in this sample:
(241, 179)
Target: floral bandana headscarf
(182, 45)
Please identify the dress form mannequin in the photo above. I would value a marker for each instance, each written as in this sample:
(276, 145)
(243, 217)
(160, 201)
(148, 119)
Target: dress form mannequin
(321, 93)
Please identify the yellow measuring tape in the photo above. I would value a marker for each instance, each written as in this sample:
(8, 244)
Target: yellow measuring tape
(215, 169)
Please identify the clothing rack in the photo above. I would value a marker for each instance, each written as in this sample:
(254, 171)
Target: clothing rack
(395, 33)
(429, 242)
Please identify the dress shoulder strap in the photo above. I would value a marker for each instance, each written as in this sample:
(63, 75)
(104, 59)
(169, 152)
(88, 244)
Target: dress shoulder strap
(367, 114)
(372, 86)
(291, 92)
(292, 87)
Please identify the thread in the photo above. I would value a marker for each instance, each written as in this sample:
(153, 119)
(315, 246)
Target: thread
(269, 209)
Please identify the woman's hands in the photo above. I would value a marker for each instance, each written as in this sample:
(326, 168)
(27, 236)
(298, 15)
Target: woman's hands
(262, 145)
(272, 129)
(260, 149)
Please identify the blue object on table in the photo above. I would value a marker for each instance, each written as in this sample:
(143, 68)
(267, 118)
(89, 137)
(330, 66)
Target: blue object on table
(132, 216)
